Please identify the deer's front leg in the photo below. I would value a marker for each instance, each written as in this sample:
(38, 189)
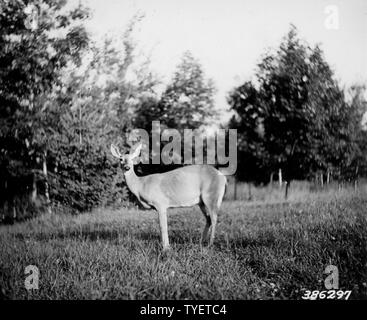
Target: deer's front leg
(162, 215)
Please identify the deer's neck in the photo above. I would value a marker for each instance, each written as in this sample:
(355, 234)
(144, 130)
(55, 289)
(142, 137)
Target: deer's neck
(132, 181)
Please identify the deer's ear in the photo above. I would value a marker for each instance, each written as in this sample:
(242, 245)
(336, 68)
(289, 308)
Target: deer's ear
(115, 151)
(135, 152)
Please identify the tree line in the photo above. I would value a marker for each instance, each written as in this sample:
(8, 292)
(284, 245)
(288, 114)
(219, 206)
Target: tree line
(295, 118)
(64, 99)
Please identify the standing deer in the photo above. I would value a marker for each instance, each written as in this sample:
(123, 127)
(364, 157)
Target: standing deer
(183, 187)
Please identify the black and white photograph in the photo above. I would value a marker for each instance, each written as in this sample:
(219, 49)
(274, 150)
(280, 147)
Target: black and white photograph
(165, 150)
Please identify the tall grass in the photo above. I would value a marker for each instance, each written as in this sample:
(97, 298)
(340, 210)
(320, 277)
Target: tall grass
(262, 251)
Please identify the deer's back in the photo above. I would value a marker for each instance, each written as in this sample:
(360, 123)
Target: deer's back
(183, 186)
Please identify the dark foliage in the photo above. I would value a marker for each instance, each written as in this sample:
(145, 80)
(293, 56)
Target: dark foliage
(295, 117)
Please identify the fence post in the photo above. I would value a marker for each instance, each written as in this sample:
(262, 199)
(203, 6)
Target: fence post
(47, 193)
(328, 177)
(280, 178)
(287, 185)
(321, 179)
(34, 187)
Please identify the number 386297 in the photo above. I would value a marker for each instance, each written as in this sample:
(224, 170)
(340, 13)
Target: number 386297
(330, 294)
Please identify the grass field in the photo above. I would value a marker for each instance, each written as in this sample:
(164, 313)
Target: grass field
(262, 251)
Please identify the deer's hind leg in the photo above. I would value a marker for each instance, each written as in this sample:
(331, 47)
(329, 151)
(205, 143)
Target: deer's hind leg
(204, 235)
(212, 199)
(211, 222)
(212, 217)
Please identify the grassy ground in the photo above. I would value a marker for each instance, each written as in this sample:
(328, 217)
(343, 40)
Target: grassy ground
(262, 251)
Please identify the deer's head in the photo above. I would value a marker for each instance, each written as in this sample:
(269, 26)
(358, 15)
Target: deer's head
(129, 159)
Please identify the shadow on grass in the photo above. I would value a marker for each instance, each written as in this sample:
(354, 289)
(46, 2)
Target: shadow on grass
(175, 236)
(95, 234)
(90, 235)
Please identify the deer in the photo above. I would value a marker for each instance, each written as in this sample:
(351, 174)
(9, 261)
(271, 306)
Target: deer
(187, 186)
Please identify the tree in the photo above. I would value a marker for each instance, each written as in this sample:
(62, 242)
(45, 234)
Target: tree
(187, 101)
(37, 40)
(354, 152)
(248, 122)
(294, 116)
(99, 100)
